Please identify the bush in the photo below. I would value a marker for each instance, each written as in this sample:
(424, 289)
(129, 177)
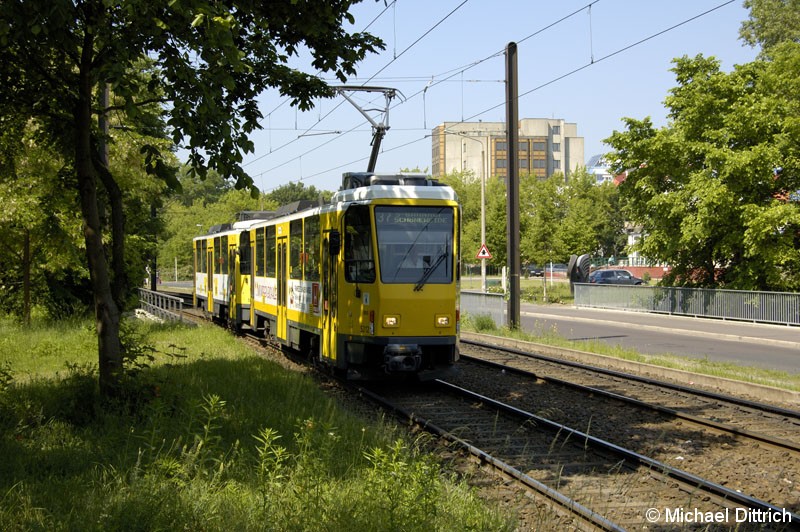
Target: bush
(556, 293)
(481, 322)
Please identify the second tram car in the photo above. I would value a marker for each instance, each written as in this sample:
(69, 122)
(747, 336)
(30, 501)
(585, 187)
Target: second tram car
(367, 284)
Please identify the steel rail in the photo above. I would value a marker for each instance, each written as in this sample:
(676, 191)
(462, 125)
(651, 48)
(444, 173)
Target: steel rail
(772, 409)
(554, 495)
(764, 438)
(660, 467)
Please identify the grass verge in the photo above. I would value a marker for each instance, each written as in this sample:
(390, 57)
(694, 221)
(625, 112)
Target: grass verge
(207, 436)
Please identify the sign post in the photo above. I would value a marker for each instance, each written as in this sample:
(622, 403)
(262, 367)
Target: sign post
(483, 254)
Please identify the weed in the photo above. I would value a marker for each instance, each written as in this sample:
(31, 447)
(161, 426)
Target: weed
(6, 376)
(406, 489)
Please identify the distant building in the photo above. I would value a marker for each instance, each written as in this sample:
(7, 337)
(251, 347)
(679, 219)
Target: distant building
(545, 146)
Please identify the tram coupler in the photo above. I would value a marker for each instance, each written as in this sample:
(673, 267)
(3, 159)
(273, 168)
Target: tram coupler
(401, 358)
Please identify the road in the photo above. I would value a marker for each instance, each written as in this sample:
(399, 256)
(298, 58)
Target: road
(764, 346)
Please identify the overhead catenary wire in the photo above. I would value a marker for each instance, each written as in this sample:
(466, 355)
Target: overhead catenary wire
(608, 56)
(448, 75)
(455, 72)
(285, 100)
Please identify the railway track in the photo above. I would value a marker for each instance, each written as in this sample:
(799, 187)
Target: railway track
(747, 420)
(776, 422)
(607, 486)
(744, 446)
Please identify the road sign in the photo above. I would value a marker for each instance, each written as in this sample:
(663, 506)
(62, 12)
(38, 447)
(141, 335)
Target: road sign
(483, 253)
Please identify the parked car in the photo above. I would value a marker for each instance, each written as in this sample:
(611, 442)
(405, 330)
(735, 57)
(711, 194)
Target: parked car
(614, 277)
(535, 271)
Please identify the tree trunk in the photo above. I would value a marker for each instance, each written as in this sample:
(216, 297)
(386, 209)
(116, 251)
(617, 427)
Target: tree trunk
(119, 284)
(107, 315)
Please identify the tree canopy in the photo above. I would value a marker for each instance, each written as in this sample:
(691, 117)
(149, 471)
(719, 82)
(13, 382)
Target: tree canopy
(771, 22)
(295, 191)
(187, 71)
(715, 191)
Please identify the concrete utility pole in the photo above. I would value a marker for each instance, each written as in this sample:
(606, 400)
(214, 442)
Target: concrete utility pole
(512, 185)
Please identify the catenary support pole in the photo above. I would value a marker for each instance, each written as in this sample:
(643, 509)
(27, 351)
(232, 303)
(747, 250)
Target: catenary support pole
(512, 185)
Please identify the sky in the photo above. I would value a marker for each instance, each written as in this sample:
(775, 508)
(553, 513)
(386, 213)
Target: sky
(588, 62)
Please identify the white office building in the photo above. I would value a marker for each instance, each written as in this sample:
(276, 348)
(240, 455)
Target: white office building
(545, 146)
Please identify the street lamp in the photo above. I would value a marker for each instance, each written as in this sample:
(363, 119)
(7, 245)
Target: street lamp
(483, 196)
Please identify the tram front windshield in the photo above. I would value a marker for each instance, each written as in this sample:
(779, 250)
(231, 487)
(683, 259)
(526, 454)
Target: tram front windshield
(415, 244)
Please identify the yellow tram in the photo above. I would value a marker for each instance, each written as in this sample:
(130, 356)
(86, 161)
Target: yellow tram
(367, 284)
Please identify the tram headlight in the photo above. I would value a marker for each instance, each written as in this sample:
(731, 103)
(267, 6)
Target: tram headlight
(391, 320)
(442, 320)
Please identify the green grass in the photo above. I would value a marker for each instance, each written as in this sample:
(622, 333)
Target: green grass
(532, 289)
(207, 436)
(699, 364)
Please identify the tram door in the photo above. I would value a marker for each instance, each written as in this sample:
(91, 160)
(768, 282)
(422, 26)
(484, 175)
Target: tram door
(329, 297)
(234, 300)
(283, 276)
(210, 279)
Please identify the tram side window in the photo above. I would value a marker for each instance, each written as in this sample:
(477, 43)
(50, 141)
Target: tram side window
(245, 254)
(359, 263)
(260, 252)
(270, 251)
(217, 256)
(296, 249)
(311, 248)
(223, 256)
(200, 256)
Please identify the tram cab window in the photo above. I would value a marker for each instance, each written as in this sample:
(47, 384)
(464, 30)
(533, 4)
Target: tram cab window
(358, 258)
(415, 244)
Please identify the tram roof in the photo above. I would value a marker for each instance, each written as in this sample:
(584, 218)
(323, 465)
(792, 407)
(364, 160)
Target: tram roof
(375, 192)
(365, 187)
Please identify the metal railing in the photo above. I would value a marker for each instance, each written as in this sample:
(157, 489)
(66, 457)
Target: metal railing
(161, 305)
(758, 307)
(476, 303)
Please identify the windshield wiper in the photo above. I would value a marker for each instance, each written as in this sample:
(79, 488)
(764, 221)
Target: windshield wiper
(429, 271)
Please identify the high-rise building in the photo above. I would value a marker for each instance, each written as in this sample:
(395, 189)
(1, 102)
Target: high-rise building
(545, 146)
